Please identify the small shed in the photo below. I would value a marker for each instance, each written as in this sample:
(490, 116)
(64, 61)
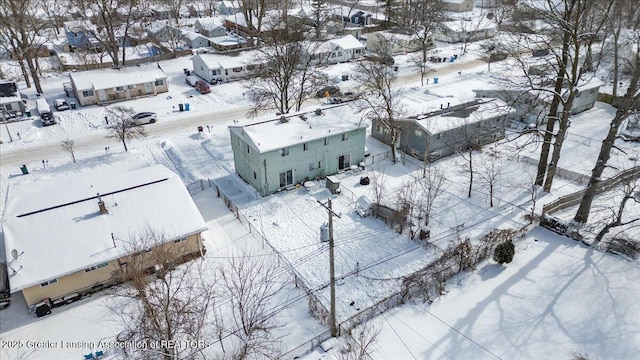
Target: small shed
(333, 184)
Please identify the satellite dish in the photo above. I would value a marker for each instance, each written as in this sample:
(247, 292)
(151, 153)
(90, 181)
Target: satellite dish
(14, 254)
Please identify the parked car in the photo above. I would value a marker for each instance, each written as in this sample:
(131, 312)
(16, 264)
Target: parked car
(191, 80)
(202, 87)
(332, 90)
(382, 59)
(61, 105)
(144, 118)
(48, 119)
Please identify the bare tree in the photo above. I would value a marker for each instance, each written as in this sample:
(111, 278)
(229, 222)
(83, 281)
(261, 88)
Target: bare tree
(426, 16)
(492, 51)
(377, 186)
(68, 145)
(406, 203)
(122, 126)
(251, 285)
(359, 342)
(576, 25)
(170, 309)
(432, 183)
(626, 106)
(19, 25)
(254, 12)
(383, 103)
(490, 171)
(285, 78)
(113, 19)
(422, 67)
(320, 14)
(56, 12)
(630, 191)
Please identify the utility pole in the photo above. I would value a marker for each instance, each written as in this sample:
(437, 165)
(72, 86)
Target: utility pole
(332, 274)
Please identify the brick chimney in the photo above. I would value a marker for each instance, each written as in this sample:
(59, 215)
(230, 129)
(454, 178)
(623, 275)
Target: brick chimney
(102, 206)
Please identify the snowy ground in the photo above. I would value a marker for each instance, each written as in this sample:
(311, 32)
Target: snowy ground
(528, 310)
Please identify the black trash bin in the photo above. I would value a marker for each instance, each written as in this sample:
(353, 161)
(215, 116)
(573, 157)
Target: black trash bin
(200, 129)
(181, 107)
(24, 170)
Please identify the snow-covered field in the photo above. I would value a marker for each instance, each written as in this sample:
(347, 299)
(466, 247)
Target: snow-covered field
(557, 297)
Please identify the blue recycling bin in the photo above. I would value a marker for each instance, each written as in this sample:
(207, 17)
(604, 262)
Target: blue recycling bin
(186, 106)
(435, 80)
(453, 58)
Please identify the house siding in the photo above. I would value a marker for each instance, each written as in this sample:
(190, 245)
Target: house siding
(81, 281)
(269, 165)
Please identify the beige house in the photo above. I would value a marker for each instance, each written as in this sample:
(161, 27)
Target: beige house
(457, 5)
(69, 237)
(398, 41)
(104, 86)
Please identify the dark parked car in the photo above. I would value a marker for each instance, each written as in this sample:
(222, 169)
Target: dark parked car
(144, 118)
(332, 90)
(382, 59)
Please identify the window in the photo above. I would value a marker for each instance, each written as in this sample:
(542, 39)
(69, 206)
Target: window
(326, 141)
(320, 164)
(248, 150)
(119, 88)
(378, 128)
(8, 106)
(418, 133)
(53, 281)
(255, 176)
(131, 87)
(435, 155)
(284, 152)
(345, 136)
(87, 93)
(94, 267)
(216, 72)
(312, 166)
(237, 69)
(159, 82)
(181, 239)
(305, 147)
(286, 178)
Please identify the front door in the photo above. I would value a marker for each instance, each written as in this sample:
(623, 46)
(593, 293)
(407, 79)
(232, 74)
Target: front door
(147, 87)
(344, 161)
(102, 95)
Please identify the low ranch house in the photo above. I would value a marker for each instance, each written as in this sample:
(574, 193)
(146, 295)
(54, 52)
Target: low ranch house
(449, 128)
(68, 237)
(106, 86)
(278, 154)
(225, 67)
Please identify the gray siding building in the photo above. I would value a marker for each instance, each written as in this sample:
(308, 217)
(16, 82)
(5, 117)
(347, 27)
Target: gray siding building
(278, 154)
(432, 135)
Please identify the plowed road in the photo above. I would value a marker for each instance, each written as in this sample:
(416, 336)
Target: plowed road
(94, 141)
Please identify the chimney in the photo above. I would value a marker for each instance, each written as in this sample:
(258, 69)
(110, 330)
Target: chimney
(440, 106)
(102, 206)
(448, 105)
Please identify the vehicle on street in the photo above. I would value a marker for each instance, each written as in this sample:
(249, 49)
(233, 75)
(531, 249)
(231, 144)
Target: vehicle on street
(332, 90)
(144, 118)
(61, 105)
(202, 87)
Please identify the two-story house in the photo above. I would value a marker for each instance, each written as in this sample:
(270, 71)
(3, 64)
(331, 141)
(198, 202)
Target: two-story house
(278, 154)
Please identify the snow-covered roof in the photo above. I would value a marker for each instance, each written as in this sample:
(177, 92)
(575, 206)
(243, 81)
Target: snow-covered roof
(79, 25)
(9, 92)
(454, 114)
(271, 20)
(275, 134)
(228, 40)
(226, 61)
(57, 228)
(209, 23)
(110, 78)
(347, 42)
(191, 35)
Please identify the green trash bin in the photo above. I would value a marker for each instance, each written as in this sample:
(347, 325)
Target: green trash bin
(27, 113)
(24, 169)
(73, 105)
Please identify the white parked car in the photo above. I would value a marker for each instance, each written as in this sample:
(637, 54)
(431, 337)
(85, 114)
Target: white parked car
(144, 118)
(61, 105)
